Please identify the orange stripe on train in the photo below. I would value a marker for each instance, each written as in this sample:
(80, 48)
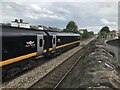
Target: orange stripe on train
(9, 61)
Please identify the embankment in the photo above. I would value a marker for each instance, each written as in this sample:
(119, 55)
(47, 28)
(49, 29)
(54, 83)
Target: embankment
(99, 68)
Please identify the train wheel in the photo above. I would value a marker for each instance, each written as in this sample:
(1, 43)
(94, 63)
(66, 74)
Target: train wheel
(12, 72)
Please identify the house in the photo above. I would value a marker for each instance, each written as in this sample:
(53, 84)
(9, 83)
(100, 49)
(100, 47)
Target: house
(110, 35)
(20, 23)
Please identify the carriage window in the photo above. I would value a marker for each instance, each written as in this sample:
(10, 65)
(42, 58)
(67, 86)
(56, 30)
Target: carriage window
(41, 42)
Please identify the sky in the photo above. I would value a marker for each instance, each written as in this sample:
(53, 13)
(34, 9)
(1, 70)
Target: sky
(88, 14)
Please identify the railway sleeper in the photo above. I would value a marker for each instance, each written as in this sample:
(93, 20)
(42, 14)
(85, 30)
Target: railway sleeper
(50, 82)
(54, 79)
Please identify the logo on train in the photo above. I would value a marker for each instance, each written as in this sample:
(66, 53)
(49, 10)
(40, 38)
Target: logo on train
(30, 44)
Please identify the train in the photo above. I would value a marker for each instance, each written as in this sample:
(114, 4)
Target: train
(21, 47)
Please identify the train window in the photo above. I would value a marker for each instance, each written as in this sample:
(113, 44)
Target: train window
(53, 40)
(41, 42)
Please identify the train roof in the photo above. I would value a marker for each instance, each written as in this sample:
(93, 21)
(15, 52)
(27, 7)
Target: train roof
(16, 31)
(63, 34)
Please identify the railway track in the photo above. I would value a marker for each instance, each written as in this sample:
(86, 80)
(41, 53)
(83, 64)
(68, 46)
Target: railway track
(54, 78)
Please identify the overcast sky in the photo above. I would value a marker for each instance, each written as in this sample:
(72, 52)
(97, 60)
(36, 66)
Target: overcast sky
(91, 15)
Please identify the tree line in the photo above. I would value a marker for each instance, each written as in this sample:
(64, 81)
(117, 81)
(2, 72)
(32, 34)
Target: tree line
(72, 27)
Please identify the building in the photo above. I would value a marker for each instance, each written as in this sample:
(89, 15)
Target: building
(110, 35)
(14, 24)
(24, 25)
(40, 27)
(20, 23)
(81, 30)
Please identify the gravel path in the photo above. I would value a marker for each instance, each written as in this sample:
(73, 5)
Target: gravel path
(29, 78)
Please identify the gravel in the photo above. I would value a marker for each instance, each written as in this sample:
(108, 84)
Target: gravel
(29, 78)
(98, 70)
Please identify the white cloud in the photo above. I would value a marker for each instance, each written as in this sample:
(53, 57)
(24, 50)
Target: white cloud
(96, 29)
(8, 7)
(108, 9)
(63, 0)
(33, 17)
(35, 7)
(107, 22)
(57, 17)
(47, 11)
(52, 17)
(91, 15)
(63, 10)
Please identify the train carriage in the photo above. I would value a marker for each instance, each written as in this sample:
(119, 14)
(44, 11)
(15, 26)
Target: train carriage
(20, 47)
(63, 41)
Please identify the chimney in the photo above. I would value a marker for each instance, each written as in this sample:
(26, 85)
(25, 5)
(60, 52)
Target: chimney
(16, 20)
(21, 20)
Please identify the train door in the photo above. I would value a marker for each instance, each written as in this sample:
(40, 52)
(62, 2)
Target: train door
(54, 42)
(40, 44)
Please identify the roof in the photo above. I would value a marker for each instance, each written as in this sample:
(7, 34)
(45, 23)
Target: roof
(8, 30)
(18, 31)
(112, 32)
(20, 22)
(63, 34)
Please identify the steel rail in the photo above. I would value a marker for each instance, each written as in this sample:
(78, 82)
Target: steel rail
(57, 85)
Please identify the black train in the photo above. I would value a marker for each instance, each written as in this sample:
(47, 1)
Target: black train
(21, 46)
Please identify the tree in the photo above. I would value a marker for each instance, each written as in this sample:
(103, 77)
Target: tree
(87, 34)
(91, 33)
(71, 27)
(104, 30)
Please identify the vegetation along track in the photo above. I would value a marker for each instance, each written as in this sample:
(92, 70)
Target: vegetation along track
(56, 76)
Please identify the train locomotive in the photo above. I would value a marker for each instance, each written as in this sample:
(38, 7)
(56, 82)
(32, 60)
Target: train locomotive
(21, 46)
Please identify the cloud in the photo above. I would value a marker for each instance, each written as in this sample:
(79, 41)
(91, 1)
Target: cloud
(63, 0)
(61, 10)
(106, 22)
(35, 7)
(8, 7)
(47, 11)
(53, 17)
(91, 15)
